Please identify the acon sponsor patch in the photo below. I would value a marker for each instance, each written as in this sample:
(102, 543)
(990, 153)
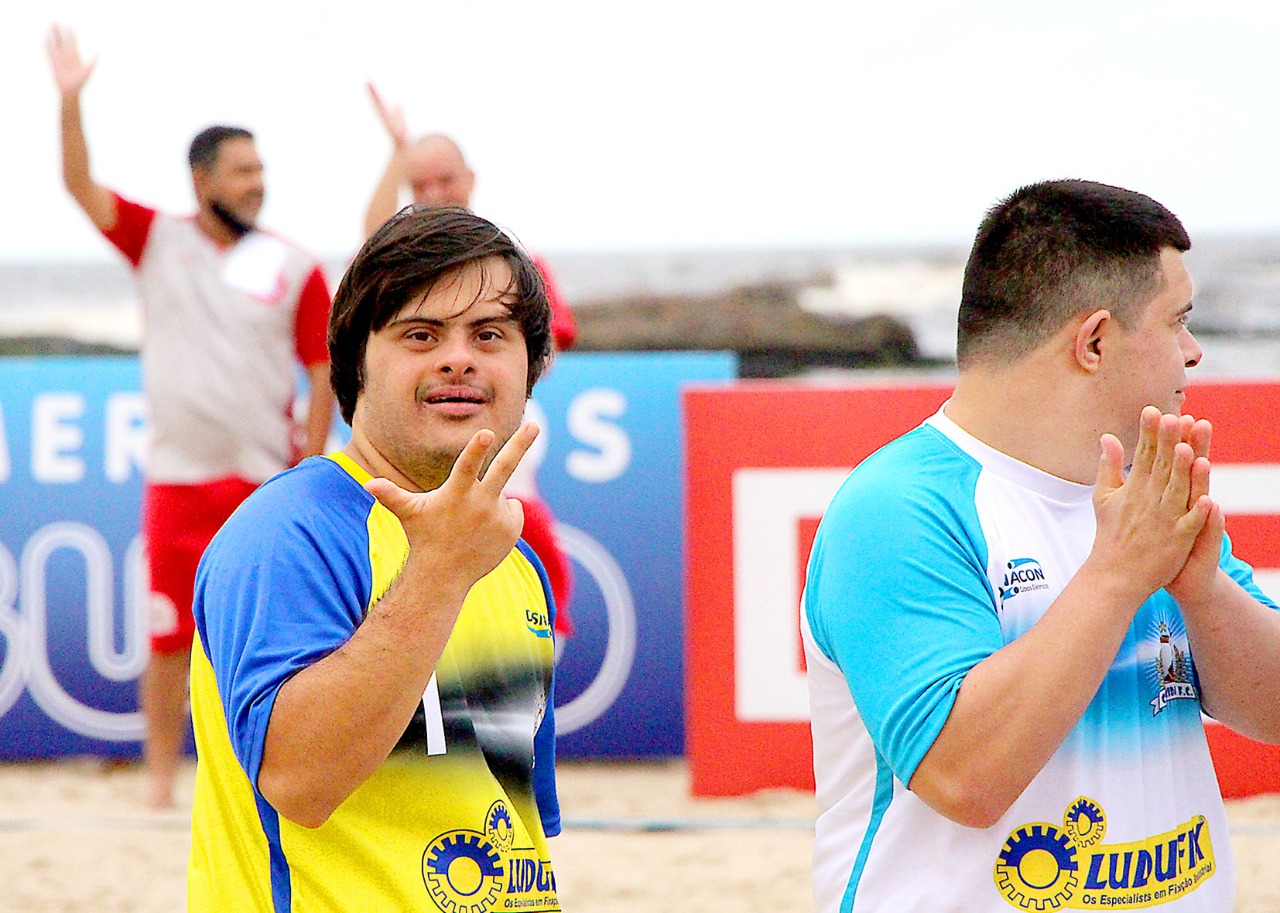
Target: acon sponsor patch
(1022, 575)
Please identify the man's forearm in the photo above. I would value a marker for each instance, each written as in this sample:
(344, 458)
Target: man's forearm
(319, 412)
(336, 721)
(386, 196)
(96, 201)
(1015, 708)
(1235, 644)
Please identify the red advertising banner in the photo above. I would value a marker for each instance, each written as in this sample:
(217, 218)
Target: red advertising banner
(764, 459)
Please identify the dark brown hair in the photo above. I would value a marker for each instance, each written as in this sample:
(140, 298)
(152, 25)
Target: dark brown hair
(403, 260)
(1053, 249)
(203, 153)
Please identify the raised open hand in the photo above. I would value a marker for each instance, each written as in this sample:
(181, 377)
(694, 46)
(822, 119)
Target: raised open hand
(466, 525)
(70, 72)
(392, 117)
(1150, 522)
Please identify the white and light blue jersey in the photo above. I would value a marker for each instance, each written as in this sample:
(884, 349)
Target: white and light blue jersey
(935, 553)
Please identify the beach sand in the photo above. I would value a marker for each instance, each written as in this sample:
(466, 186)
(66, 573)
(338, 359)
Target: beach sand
(73, 837)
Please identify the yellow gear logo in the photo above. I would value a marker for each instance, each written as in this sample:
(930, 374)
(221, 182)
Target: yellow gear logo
(499, 827)
(1084, 822)
(462, 872)
(1037, 868)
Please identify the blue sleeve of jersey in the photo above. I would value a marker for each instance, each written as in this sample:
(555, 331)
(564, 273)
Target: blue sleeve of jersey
(544, 767)
(544, 740)
(1242, 574)
(284, 583)
(897, 594)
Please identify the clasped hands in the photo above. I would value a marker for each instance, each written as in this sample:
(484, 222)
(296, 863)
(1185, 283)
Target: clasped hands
(1157, 524)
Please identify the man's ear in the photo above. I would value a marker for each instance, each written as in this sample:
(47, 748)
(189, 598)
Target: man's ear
(1088, 342)
(199, 181)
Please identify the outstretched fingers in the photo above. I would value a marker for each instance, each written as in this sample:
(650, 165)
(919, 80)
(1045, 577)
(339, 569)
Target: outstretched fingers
(1200, 437)
(474, 464)
(392, 116)
(504, 464)
(69, 69)
(1177, 479)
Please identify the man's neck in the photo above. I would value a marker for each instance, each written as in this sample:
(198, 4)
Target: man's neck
(365, 454)
(218, 228)
(1030, 413)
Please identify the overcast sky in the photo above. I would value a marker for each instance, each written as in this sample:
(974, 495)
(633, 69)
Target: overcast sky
(671, 124)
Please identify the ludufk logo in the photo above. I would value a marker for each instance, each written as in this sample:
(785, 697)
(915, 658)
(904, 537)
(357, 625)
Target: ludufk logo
(1047, 866)
(1022, 575)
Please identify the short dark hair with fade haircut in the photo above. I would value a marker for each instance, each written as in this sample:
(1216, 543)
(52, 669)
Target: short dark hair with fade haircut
(403, 260)
(203, 153)
(1053, 249)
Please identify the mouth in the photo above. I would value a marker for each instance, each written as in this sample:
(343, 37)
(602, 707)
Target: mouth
(463, 397)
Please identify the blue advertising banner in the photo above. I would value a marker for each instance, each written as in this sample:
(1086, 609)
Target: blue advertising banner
(72, 581)
(613, 472)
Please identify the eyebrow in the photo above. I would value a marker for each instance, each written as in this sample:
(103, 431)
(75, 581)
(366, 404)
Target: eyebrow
(416, 320)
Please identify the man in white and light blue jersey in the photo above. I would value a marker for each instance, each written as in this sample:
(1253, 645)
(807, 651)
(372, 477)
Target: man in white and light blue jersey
(1011, 632)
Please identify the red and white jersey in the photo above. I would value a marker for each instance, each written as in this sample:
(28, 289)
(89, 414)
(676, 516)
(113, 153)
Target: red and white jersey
(224, 329)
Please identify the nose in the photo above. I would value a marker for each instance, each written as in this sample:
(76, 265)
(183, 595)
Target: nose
(1191, 350)
(455, 356)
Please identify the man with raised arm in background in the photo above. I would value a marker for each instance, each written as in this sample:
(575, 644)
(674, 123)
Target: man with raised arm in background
(434, 171)
(229, 313)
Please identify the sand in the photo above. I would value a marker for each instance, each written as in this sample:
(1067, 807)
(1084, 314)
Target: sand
(73, 837)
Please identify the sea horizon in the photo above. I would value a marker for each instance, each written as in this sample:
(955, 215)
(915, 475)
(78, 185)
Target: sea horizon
(1237, 290)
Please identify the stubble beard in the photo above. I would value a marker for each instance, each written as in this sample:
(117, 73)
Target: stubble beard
(233, 223)
(429, 467)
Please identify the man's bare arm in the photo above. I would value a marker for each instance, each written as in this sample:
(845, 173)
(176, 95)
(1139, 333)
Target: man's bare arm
(71, 73)
(386, 196)
(319, 412)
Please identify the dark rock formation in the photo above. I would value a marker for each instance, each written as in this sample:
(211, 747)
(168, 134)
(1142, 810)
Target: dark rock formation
(764, 324)
(57, 345)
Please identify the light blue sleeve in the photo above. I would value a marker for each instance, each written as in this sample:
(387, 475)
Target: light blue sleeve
(897, 594)
(1242, 574)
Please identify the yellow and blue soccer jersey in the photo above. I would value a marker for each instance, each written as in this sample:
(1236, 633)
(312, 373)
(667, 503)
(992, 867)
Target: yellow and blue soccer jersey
(936, 552)
(456, 819)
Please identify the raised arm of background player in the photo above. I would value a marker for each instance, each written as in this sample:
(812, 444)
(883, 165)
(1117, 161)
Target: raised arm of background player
(386, 196)
(71, 73)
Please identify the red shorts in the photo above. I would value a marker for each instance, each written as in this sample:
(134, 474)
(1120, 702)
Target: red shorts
(178, 522)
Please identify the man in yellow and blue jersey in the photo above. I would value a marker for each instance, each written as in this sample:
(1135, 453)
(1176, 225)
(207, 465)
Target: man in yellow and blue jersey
(372, 674)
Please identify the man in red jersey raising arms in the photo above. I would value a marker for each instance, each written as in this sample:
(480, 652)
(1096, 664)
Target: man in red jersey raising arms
(229, 313)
